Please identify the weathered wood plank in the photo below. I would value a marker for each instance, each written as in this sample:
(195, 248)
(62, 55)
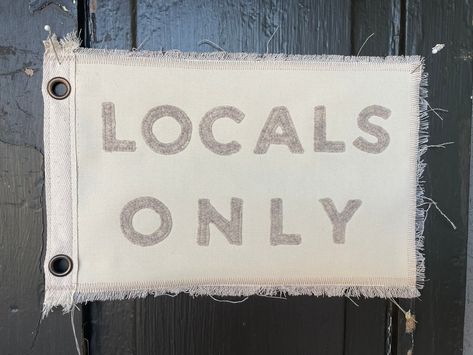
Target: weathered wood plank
(185, 325)
(382, 20)
(21, 241)
(110, 24)
(468, 329)
(375, 30)
(365, 326)
(109, 327)
(21, 181)
(21, 49)
(441, 308)
(259, 325)
(305, 27)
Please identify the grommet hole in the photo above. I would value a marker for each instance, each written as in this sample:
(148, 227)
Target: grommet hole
(59, 88)
(60, 265)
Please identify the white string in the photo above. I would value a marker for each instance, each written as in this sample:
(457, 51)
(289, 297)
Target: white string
(397, 304)
(440, 145)
(434, 110)
(437, 109)
(426, 213)
(356, 304)
(212, 44)
(407, 314)
(170, 294)
(141, 45)
(276, 297)
(435, 50)
(270, 38)
(228, 301)
(366, 40)
(432, 202)
(74, 330)
(47, 28)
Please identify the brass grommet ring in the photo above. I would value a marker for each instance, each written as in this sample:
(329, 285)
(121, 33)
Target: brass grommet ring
(60, 265)
(59, 88)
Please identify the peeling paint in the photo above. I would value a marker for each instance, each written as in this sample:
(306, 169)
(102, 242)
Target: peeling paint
(466, 55)
(437, 48)
(29, 71)
(39, 5)
(93, 20)
(7, 50)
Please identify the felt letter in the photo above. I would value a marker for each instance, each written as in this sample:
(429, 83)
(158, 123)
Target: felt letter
(374, 130)
(206, 134)
(321, 144)
(144, 240)
(110, 141)
(279, 117)
(339, 220)
(230, 228)
(167, 111)
(277, 235)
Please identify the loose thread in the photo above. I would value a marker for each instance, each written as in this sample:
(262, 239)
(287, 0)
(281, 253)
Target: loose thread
(228, 301)
(407, 314)
(437, 109)
(366, 40)
(74, 330)
(270, 38)
(435, 50)
(47, 28)
(440, 145)
(212, 44)
(141, 45)
(426, 213)
(275, 297)
(356, 304)
(435, 204)
(434, 110)
(398, 305)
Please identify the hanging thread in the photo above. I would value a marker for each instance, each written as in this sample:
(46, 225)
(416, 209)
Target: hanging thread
(47, 28)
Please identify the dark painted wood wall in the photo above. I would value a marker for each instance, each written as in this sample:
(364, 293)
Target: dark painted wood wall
(183, 325)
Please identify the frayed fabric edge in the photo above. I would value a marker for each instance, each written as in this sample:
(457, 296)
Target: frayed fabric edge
(423, 134)
(69, 46)
(57, 297)
(69, 299)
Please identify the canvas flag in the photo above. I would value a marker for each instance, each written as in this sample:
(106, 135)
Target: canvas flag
(231, 174)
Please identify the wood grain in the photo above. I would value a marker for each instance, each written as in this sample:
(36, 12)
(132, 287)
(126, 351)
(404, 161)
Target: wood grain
(376, 28)
(298, 325)
(110, 327)
(441, 306)
(304, 27)
(21, 182)
(203, 326)
(22, 286)
(185, 325)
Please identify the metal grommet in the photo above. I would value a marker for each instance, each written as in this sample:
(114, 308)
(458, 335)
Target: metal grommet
(59, 88)
(60, 265)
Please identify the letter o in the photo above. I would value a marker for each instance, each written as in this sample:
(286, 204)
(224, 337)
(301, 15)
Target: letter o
(167, 111)
(129, 211)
